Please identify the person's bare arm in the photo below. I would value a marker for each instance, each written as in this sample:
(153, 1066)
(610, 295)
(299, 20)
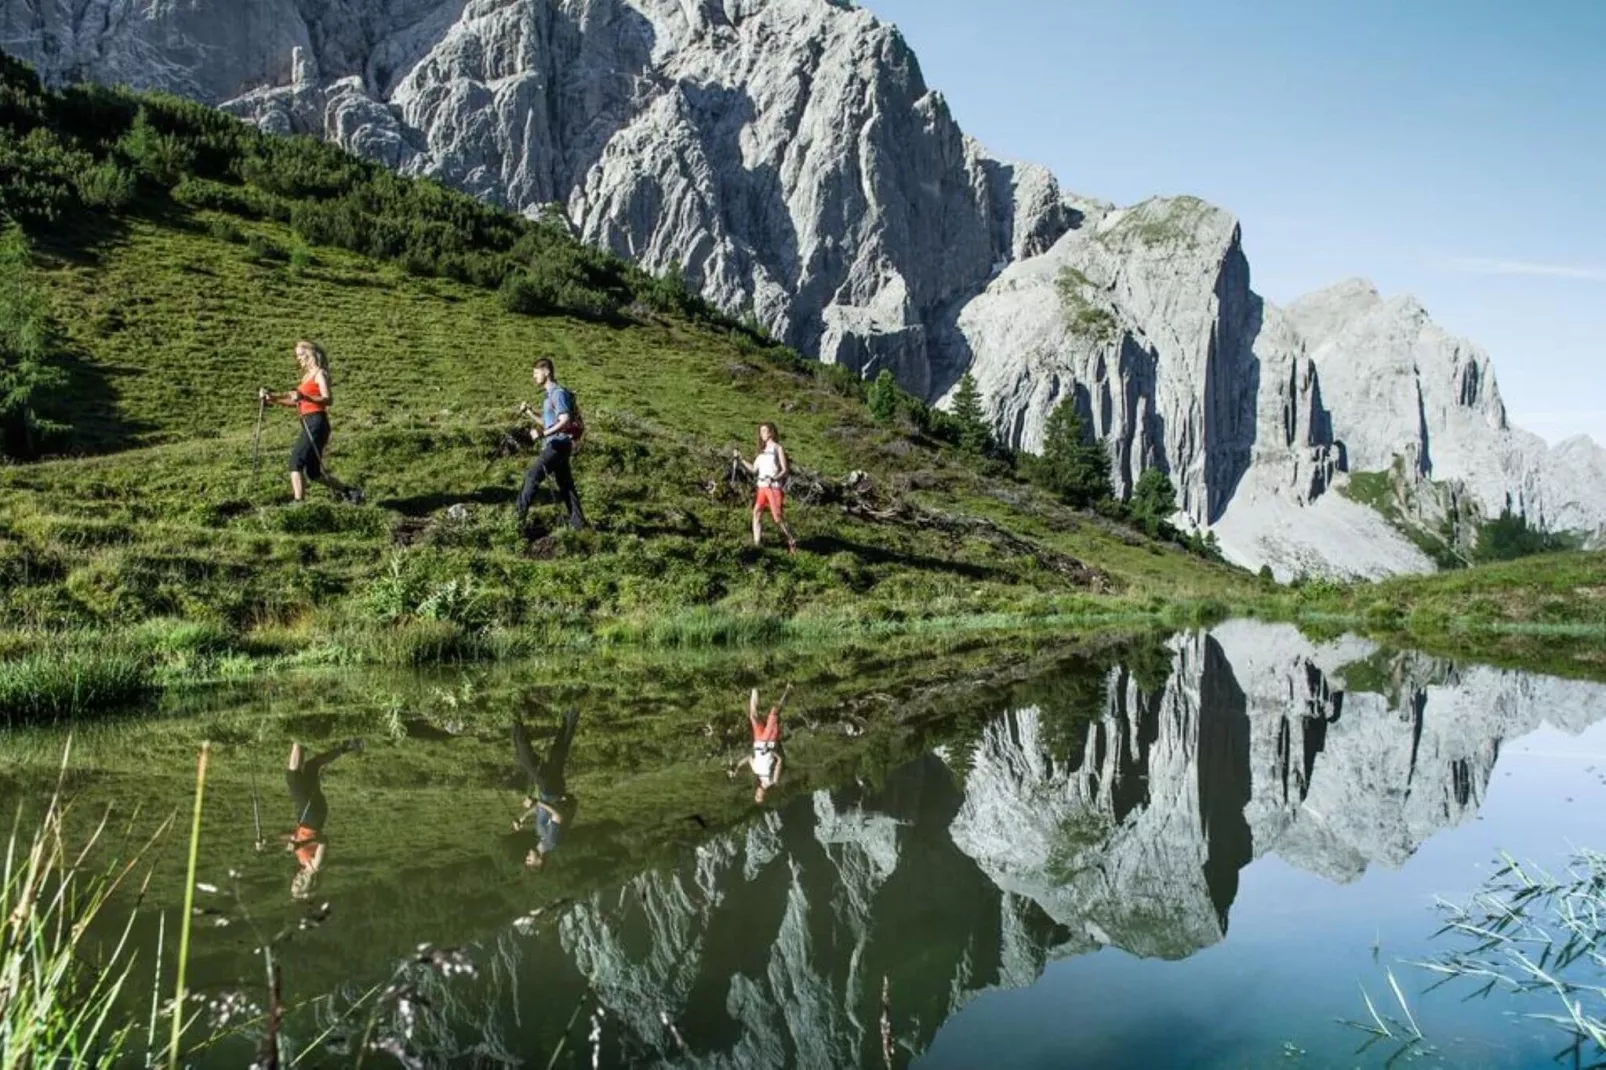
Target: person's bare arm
(786, 466)
(733, 770)
(551, 812)
(775, 776)
(737, 456)
(560, 426)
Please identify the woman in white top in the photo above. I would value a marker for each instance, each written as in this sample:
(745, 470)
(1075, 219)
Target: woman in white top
(769, 469)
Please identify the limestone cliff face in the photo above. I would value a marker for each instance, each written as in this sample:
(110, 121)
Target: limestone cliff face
(790, 156)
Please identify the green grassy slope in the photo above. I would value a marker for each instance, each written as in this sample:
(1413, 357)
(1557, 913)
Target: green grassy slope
(171, 330)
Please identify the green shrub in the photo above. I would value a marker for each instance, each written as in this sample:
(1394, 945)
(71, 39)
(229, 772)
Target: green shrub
(226, 230)
(106, 186)
(262, 248)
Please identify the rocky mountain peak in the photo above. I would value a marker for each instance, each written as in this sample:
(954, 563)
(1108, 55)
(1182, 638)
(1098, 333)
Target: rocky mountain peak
(789, 156)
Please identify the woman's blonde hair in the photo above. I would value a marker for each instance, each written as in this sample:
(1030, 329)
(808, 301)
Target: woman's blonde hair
(319, 357)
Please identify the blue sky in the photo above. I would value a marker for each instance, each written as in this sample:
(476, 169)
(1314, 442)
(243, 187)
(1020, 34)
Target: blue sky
(1454, 149)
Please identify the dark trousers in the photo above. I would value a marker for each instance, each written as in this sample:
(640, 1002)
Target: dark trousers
(554, 460)
(547, 775)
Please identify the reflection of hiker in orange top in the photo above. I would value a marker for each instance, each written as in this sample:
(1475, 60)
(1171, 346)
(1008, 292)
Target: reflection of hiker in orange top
(302, 775)
(765, 761)
(769, 470)
(311, 399)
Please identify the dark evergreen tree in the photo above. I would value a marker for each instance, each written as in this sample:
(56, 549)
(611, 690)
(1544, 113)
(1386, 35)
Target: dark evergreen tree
(1074, 465)
(27, 375)
(974, 434)
(883, 398)
(1154, 499)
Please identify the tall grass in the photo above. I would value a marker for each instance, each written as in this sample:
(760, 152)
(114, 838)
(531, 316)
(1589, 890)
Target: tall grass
(52, 685)
(57, 996)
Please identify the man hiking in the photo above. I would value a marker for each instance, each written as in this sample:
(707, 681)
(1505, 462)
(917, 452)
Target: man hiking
(549, 802)
(561, 427)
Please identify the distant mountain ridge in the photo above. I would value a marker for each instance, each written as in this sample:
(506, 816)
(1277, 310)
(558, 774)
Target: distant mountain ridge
(789, 155)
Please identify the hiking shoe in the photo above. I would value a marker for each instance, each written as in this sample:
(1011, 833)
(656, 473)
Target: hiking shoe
(355, 496)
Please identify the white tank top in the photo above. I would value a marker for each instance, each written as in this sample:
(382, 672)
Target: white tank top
(767, 466)
(764, 756)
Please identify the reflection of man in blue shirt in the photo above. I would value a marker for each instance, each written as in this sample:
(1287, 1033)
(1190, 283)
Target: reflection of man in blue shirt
(549, 801)
(560, 426)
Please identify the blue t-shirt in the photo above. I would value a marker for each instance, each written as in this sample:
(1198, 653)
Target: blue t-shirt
(559, 402)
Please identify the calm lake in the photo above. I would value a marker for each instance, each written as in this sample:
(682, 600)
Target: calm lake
(1196, 851)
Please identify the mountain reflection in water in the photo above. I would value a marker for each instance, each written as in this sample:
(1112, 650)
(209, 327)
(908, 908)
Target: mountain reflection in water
(1109, 809)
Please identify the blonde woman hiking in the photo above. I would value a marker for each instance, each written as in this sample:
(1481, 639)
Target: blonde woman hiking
(769, 470)
(311, 399)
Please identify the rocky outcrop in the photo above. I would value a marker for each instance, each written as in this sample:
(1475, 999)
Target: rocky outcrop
(790, 157)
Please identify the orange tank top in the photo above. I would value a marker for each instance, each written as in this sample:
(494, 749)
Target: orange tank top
(309, 390)
(306, 844)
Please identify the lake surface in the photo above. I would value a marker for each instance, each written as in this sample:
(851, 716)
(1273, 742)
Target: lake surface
(1195, 852)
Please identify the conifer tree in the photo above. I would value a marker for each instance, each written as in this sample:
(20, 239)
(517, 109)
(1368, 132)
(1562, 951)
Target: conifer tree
(1074, 465)
(974, 434)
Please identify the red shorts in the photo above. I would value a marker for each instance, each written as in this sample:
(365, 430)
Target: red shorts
(772, 498)
(770, 730)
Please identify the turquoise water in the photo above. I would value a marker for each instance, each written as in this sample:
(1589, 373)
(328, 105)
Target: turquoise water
(1200, 855)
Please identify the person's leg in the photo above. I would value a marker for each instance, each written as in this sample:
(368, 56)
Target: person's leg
(777, 509)
(532, 482)
(298, 487)
(296, 755)
(522, 750)
(758, 513)
(564, 474)
(315, 765)
(557, 755)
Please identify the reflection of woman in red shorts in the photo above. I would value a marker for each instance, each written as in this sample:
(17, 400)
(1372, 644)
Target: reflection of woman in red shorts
(765, 761)
(769, 469)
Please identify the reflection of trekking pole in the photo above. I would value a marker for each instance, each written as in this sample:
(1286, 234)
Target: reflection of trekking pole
(256, 440)
(256, 810)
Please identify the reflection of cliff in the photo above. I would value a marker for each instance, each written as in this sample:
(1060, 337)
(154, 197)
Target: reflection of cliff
(1253, 745)
(1117, 810)
(769, 950)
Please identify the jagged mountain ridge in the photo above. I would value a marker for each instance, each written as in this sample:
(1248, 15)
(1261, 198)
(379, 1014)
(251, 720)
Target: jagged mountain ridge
(1130, 830)
(789, 154)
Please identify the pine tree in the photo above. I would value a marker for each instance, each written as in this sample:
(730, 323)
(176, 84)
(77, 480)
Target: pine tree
(974, 434)
(1074, 464)
(883, 398)
(1154, 499)
(26, 374)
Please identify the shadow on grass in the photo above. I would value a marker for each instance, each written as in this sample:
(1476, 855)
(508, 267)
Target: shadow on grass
(425, 504)
(826, 545)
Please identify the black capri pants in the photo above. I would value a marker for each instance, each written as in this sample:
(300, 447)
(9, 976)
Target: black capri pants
(307, 455)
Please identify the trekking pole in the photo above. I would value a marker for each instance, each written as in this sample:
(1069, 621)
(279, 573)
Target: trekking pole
(256, 441)
(256, 810)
